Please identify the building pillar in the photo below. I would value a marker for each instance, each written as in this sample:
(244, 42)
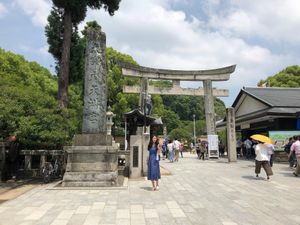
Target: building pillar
(209, 107)
(231, 137)
(43, 159)
(27, 162)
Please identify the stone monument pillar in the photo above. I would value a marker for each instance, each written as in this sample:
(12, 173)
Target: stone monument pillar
(95, 88)
(92, 159)
(231, 137)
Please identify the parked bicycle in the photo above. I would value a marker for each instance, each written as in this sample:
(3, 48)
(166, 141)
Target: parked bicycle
(52, 170)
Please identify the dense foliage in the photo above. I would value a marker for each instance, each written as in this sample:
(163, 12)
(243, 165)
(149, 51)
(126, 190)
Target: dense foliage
(289, 77)
(28, 106)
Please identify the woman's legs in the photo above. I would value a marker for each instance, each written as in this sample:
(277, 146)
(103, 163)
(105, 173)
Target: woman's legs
(157, 187)
(153, 185)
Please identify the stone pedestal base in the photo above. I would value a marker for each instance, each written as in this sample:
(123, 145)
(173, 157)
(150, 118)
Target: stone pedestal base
(91, 165)
(139, 154)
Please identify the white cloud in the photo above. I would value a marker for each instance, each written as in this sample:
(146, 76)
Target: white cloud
(3, 10)
(37, 10)
(157, 36)
(272, 20)
(40, 51)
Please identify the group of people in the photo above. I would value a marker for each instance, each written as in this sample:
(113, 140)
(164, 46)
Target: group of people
(264, 155)
(291, 155)
(171, 149)
(247, 149)
(201, 149)
(294, 154)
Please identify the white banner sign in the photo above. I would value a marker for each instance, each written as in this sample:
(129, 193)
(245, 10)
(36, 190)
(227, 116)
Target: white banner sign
(213, 146)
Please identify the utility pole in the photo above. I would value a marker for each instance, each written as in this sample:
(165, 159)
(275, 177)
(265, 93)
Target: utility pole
(194, 116)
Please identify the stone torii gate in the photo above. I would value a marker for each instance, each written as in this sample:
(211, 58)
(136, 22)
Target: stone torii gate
(206, 76)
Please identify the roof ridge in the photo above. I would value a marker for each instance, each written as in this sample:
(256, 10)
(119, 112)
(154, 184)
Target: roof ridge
(286, 88)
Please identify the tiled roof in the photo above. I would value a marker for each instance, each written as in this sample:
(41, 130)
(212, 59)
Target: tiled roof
(276, 97)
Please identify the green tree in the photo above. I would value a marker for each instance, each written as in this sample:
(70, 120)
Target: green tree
(289, 77)
(28, 107)
(54, 32)
(119, 101)
(74, 11)
(171, 120)
(181, 134)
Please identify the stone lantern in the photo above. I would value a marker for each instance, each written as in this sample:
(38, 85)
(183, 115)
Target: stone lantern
(109, 120)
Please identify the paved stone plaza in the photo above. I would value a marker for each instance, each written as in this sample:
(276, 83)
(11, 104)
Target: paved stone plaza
(197, 192)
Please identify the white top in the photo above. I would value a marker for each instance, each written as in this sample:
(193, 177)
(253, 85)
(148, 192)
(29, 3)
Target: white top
(176, 144)
(170, 147)
(261, 151)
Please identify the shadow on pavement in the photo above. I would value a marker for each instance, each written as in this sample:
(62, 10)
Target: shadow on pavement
(147, 188)
(288, 174)
(253, 178)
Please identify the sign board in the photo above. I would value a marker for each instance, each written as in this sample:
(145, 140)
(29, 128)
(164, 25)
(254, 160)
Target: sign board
(281, 138)
(213, 146)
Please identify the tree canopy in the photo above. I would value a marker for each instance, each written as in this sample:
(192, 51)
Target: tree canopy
(289, 77)
(28, 107)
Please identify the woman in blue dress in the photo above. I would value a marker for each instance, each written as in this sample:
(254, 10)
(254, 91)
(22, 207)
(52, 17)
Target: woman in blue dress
(153, 162)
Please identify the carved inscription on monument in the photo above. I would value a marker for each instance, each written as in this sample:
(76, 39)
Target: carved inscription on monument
(95, 89)
(135, 156)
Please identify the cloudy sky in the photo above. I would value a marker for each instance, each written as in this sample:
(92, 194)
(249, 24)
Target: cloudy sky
(260, 37)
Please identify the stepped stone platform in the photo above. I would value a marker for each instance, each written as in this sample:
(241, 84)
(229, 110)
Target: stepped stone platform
(92, 162)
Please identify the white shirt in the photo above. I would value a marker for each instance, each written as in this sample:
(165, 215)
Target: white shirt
(170, 147)
(176, 144)
(261, 151)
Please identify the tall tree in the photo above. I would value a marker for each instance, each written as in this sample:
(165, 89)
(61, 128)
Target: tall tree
(74, 11)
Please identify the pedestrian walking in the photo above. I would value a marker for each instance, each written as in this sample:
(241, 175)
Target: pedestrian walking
(153, 162)
(176, 149)
(291, 157)
(171, 151)
(271, 153)
(198, 149)
(181, 150)
(296, 148)
(262, 159)
(202, 150)
(248, 146)
(221, 148)
(238, 148)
